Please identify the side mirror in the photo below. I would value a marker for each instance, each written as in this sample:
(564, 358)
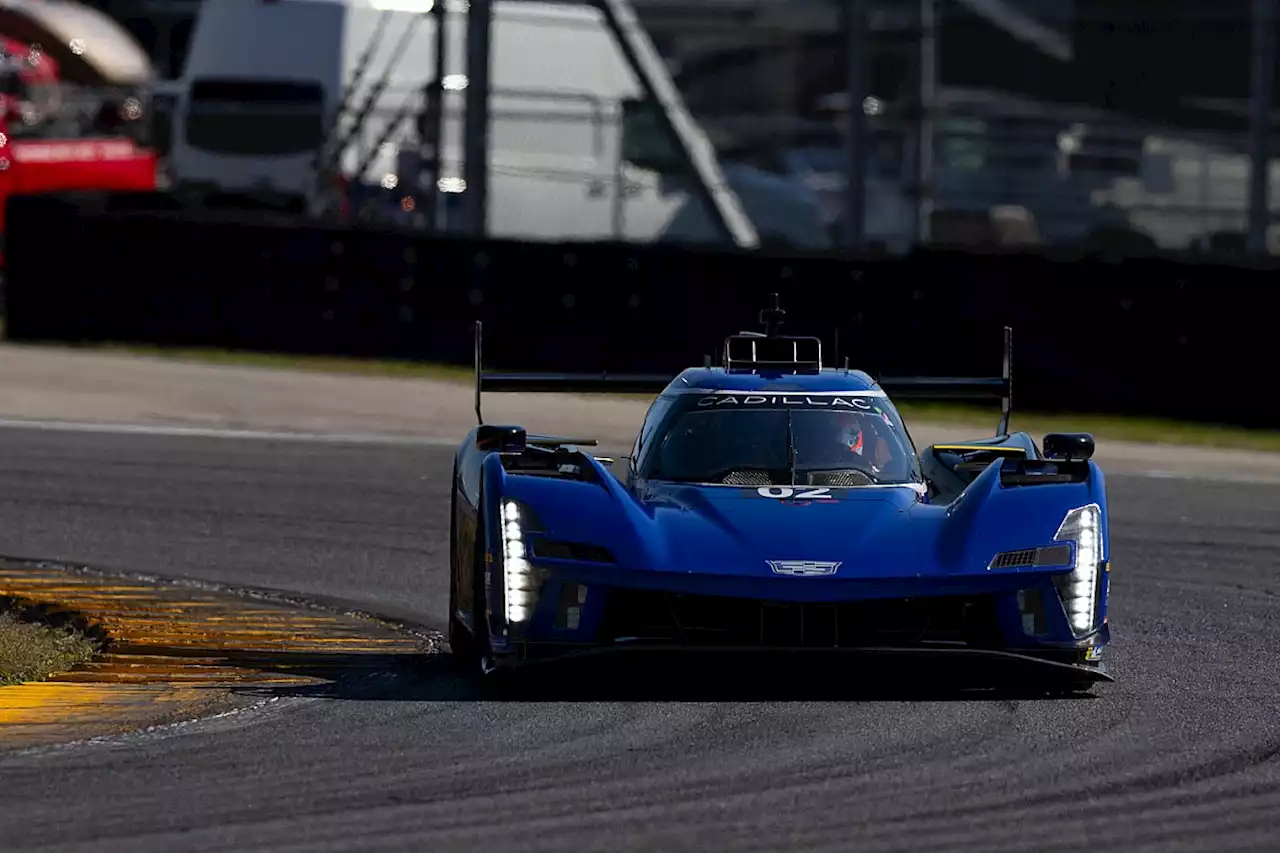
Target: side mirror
(1069, 446)
(492, 438)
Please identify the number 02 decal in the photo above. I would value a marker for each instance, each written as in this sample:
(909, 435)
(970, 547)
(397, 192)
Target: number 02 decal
(783, 492)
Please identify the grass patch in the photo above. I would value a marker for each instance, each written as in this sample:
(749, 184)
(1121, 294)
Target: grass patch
(30, 651)
(1112, 427)
(309, 363)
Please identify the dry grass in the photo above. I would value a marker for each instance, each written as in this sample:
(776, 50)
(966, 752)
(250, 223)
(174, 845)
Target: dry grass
(33, 652)
(1105, 427)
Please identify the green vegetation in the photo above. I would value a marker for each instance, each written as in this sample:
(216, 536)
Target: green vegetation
(1113, 427)
(32, 652)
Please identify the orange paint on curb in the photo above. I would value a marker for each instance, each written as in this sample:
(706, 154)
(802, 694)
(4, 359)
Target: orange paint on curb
(174, 654)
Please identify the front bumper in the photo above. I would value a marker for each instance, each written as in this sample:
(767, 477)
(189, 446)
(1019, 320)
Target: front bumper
(953, 666)
(575, 621)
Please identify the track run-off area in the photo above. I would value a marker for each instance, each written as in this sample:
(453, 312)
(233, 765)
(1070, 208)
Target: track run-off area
(1182, 753)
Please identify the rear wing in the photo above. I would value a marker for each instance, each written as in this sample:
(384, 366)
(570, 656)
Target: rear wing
(561, 383)
(939, 388)
(742, 352)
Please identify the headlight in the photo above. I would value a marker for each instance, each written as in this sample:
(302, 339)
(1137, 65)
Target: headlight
(1079, 589)
(519, 587)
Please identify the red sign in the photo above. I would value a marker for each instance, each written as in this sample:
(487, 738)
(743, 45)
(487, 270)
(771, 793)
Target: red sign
(31, 166)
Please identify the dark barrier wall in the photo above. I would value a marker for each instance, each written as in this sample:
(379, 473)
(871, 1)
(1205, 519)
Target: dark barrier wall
(1150, 337)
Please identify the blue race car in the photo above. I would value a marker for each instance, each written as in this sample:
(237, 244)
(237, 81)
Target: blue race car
(773, 503)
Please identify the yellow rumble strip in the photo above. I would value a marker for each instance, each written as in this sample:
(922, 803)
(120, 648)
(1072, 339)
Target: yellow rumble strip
(175, 654)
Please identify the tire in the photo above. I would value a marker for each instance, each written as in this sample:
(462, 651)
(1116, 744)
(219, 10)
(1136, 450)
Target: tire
(463, 645)
(468, 649)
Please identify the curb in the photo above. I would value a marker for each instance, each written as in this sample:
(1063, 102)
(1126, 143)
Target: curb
(173, 654)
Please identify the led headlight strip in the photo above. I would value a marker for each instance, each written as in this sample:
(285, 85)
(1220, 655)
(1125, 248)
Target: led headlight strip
(1079, 589)
(519, 589)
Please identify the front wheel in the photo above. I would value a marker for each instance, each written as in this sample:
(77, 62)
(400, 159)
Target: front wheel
(470, 649)
(463, 645)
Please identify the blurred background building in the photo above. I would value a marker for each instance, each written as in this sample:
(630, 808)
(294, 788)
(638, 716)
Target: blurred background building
(1103, 123)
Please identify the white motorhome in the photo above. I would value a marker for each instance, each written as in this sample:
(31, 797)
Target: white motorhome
(264, 79)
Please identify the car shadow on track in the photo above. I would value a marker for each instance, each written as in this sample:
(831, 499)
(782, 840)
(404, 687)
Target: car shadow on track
(436, 678)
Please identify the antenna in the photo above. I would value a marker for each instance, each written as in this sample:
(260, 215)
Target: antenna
(773, 317)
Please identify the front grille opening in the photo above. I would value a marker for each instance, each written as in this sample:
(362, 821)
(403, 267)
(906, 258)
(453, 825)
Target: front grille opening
(706, 621)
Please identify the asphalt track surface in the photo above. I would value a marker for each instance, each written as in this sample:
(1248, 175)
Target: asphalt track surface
(1180, 754)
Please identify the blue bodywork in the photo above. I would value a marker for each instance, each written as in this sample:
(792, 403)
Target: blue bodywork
(974, 557)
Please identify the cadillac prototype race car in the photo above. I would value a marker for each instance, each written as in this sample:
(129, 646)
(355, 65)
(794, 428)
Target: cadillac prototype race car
(774, 503)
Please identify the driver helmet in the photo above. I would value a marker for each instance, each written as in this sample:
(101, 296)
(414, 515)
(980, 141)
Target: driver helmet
(869, 445)
(849, 432)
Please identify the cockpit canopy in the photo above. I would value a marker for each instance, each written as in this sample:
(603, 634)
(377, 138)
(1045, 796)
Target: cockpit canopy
(756, 439)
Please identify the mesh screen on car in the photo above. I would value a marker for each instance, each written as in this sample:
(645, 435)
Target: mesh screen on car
(839, 478)
(811, 478)
(746, 478)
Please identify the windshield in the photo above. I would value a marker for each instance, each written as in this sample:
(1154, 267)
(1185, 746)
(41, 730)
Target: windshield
(265, 118)
(733, 442)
